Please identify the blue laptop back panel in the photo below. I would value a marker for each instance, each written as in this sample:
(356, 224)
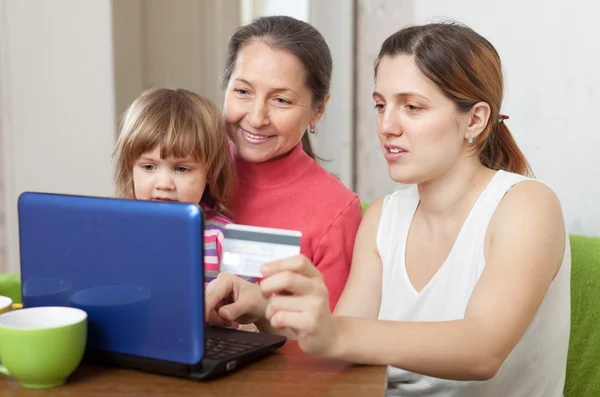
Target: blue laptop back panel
(136, 268)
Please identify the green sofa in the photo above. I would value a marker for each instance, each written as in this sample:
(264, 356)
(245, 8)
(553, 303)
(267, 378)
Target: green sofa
(583, 367)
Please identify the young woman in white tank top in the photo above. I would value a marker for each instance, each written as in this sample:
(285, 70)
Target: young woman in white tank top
(460, 283)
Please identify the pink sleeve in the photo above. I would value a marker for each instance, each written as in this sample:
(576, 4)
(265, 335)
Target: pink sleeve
(334, 253)
(219, 246)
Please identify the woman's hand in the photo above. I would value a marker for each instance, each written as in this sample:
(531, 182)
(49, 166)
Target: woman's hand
(231, 300)
(298, 300)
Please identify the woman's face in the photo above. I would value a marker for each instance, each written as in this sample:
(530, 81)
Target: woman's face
(421, 132)
(268, 106)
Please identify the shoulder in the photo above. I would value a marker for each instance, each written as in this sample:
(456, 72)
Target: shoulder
(330, 195)
(373, 214)
(529, 198)
(530, 211)
(318, 174)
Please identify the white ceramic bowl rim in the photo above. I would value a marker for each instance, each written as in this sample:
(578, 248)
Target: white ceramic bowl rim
(36, 318)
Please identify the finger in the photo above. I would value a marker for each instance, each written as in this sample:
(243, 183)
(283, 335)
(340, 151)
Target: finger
(299, 322)
(234, 311)
(214, 319)
(286, 303)
(233, 325)
(297, 264)
(287, 282)
(217, 291)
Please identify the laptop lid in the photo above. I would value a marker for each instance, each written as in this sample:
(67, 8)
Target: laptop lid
(136, 267)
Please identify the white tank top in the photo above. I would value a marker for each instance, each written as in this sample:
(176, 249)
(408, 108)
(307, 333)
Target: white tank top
(537, 364)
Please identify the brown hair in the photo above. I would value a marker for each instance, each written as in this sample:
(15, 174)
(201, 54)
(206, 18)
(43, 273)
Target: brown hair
(182, 124)
(467, 68)
(296, 37)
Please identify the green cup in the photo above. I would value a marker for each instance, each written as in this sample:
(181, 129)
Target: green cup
(10, 286)
(42, 346)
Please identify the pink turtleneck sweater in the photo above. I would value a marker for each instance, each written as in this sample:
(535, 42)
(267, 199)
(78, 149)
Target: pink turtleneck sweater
(296, 193)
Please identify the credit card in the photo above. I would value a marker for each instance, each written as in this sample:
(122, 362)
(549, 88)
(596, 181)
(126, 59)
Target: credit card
(247, 248)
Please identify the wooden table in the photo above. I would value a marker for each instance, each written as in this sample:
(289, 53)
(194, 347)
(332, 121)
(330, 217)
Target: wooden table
(289, 372)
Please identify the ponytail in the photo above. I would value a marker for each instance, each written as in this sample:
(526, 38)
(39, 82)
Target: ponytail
(500, 152)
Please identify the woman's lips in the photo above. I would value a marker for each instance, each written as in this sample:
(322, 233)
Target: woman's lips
(255, 139)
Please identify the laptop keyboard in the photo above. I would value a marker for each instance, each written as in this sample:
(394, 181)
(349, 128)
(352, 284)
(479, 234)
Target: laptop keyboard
(218, 348)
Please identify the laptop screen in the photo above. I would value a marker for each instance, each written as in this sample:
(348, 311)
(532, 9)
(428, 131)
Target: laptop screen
(136, 267)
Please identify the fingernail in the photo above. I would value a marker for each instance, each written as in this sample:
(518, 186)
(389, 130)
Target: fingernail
(225, 313)
(265, 269)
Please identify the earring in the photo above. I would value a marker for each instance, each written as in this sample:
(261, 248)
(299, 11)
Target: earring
(312, 130)
(470, 140)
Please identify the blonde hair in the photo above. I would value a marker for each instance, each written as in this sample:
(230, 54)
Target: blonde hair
(182, 124)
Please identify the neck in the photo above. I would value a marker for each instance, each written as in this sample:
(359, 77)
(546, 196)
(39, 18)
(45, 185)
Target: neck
(454, 192)
(275, 172)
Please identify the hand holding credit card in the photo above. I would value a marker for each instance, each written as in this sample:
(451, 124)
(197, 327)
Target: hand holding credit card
(247, 248)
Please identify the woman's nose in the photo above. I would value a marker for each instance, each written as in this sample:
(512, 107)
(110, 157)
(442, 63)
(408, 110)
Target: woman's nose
(390, 122)
(258, 115)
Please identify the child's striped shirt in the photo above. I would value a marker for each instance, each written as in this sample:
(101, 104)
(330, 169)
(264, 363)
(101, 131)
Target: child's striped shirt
(214, 234)
(214, 229)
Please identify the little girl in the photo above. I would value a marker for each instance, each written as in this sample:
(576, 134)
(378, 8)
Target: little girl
(173, 147)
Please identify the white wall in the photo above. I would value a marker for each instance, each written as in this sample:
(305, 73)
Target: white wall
(58, 107)
(185, 43)
(335, 132)
(298, 9)
(129, 42)
(375, 21)
(550, 55)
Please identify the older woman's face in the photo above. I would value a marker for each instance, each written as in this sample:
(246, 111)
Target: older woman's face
(268, 106)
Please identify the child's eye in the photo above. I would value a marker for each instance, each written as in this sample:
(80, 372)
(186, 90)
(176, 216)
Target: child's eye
(148, 167)
(180, 169)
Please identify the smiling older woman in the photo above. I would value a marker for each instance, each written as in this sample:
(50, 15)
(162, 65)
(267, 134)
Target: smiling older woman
(277, 80)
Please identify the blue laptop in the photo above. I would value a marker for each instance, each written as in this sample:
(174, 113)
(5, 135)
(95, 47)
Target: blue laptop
(136, 267)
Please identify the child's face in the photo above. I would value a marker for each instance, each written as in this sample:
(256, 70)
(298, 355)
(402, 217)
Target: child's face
(168, 179)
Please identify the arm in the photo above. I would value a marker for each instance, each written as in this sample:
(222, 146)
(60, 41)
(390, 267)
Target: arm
(525, 243)
(334, 252)
(362, 294)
